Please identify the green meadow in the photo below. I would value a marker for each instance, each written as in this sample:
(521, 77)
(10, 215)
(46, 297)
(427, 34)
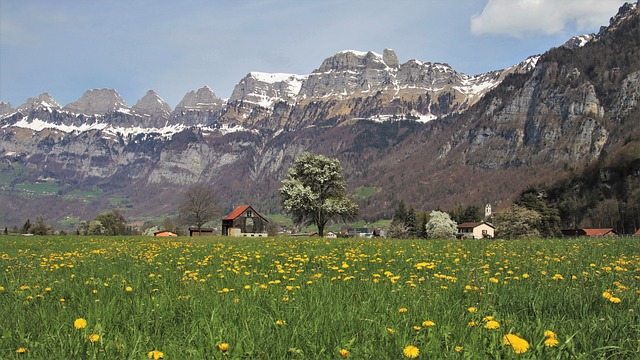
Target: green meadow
(308, 298)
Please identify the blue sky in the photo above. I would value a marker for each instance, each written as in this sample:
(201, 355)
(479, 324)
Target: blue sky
(67, 47)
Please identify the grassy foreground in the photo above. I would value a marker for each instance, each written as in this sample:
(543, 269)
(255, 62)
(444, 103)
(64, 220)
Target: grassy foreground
(283, 298)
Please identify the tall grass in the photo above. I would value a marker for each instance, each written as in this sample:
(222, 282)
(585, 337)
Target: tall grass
(282, 298)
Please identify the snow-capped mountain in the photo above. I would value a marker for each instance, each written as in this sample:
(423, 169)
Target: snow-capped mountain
(349, 84)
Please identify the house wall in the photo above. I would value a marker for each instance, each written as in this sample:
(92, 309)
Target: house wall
(477, 231)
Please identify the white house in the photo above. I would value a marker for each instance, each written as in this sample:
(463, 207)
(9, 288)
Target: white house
(476, 230)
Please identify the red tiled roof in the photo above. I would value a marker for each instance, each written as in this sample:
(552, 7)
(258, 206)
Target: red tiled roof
(471, 224)
(235, 213)
(637, 232)
(599, 232)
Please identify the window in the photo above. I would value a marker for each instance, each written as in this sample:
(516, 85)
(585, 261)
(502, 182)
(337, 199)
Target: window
(249, 213)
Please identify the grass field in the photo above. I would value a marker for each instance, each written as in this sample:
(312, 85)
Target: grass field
(280, 298)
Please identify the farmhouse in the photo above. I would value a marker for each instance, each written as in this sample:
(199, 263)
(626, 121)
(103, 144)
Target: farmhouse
(476, 230)
(164, 233)
(244, 221)
(589, 232)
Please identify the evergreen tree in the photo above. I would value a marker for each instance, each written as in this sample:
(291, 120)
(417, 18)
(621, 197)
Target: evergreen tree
(411, 224)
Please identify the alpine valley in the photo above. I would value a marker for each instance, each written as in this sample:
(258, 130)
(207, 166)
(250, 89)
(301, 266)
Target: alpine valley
(416, 131)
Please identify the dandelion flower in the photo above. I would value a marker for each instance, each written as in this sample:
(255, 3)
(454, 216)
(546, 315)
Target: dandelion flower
(80, 323)
(155, 355)
(492, 325)
(280, 322)
(417, 328)
(519, 345)
(344, 353)
(615, 300)
(128, 289)
(458, 348)
(411, 352)
(472, 309)
(223, 347)
(390, 330)
(21, 350)
(551, 342)
(403, 310)
(428, 323)
(607, 294)
(549, 334)
(94, 338)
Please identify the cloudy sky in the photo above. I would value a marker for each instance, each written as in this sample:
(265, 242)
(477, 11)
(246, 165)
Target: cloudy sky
(67, 47)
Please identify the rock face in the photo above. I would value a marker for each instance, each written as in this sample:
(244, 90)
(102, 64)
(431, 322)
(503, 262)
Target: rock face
(153, 106)
(5, 109)
(197, 107)
(98, 102)
(500, 131)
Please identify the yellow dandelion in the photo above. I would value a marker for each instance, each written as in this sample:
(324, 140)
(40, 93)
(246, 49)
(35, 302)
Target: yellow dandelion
(344, 353)
(519, 345)
(80, 323)
(472, 324)
(94, 338)
(428, 323)
(615, 300)
(280, 322)
(492, 325)
(557, 277)
(411, 352)
(549, 334)
(155, 355)
(458, 349)
(472, 309)
(390, 330)
(403, 310)
(21, 350)
(128, 289)
(551, 342)
(223, 347)
(494, 280)
(417, 328)
(607, 294)
(525, 276)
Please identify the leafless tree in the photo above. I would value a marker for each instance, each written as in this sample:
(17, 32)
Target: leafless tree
(199, 206)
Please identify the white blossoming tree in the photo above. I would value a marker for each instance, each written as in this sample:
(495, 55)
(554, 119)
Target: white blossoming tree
(315, 192)
(440, 226)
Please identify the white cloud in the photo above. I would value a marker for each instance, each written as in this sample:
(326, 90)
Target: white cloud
(522, 17)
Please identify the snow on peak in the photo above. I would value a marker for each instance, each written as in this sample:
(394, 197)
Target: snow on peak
(44, 100)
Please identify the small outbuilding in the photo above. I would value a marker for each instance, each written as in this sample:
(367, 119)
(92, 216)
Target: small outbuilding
(164, 233)
(244, 221)
(476, 230)
(194, 231)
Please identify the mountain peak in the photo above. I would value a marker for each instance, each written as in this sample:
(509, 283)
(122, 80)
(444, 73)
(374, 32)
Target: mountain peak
(44, 100)
(6, 109)
(202, 99)
(98, 102)
(357, 60)
(153, 105)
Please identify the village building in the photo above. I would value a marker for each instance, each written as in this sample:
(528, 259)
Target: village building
(194, 231)
(476, 230)
(164, 233)
(244, 221)
(589, 232)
